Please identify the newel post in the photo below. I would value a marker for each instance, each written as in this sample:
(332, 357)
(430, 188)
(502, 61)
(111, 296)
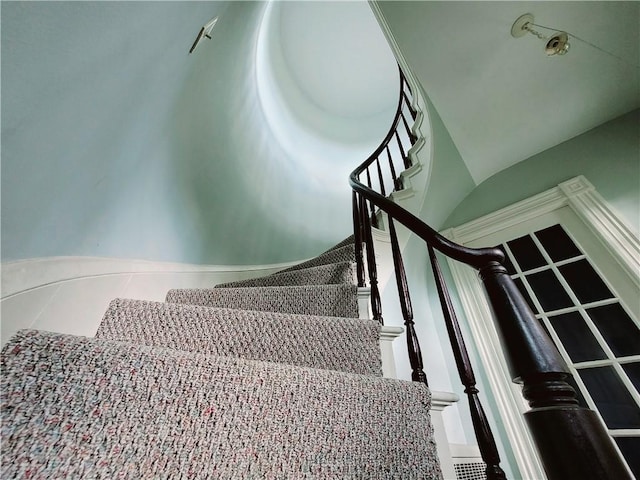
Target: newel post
(571, 440)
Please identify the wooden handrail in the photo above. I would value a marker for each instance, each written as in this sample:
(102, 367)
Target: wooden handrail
(571, 440)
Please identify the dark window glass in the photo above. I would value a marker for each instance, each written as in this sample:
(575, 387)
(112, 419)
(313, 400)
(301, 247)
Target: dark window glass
(549, 291)
(612, 398)
(526, 253)
(581, 401)
(576, 337)
(617, 328)
(525, 294)
(633, 371)
(557, 243)
(630, 448)
(507, 262)
(585, 282)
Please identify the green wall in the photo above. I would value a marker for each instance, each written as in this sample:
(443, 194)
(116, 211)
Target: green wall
(118, 143)
(608, 156)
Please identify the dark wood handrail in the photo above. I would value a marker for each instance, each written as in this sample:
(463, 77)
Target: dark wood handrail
(476, 257)
(571, 440)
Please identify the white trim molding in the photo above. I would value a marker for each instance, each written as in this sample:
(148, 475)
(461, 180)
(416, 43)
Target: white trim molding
(624, 246)
(387, 336)
(581, 196)
(440, 401)
(23, 275)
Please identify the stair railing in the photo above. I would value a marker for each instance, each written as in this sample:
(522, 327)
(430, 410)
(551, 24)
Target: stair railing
(571, 440)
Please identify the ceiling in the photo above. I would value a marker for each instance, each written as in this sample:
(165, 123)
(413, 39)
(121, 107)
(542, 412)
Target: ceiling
(501, 98)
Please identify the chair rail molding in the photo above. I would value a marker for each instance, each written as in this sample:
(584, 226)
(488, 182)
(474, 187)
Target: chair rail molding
(618, 239)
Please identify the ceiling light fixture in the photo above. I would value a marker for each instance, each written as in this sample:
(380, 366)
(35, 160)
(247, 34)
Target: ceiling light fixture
(557, 44)
(205, 32)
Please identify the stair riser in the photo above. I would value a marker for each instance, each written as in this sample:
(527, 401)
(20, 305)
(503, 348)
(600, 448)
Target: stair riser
(325, 300)
(96, 409)
(335, 274)
(348, 345)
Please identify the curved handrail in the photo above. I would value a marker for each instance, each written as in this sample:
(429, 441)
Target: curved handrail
(476, 257)
(569, 438)
(392, 130)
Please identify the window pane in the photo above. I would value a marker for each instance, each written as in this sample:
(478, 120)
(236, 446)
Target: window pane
(612, 398)
(622, 335)
(633, 372)
(585, 282)
(630, 448)
(576, 337)
(525, 294)
(557, 243)
(526, 253)
(549, 291)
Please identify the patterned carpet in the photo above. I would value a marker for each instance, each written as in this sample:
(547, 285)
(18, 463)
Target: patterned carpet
(272, 381)
(331, 343)
(323, 300)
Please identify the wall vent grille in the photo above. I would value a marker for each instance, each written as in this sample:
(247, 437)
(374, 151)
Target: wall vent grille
(470, 471)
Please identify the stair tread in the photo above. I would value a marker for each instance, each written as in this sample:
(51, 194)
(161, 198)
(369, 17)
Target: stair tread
(80, 407)
(333, 343)
(323, 300)
(330, 274)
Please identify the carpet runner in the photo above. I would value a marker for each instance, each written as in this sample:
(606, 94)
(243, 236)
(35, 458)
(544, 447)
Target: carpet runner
(274, 379)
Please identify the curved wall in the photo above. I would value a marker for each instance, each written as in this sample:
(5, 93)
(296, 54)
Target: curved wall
(116, 143)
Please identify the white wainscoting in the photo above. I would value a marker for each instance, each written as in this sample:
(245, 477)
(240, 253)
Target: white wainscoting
(70, 294)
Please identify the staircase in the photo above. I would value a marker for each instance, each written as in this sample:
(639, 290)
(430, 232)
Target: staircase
(275, 377)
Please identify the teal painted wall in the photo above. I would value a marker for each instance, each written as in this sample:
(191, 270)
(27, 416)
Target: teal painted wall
(608, 156)
(117, 143)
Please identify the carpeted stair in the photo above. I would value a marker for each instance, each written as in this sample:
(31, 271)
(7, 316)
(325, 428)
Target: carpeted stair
(325, 300)
(271, 378)
(348, 344)
(332, 274)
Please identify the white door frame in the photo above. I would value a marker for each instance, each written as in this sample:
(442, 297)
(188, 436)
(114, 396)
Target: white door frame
(618, 239)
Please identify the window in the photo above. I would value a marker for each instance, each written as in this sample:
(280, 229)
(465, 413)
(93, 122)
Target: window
(570, 238)
(593, 330)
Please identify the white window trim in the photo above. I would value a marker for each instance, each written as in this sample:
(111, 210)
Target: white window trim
(619, 240)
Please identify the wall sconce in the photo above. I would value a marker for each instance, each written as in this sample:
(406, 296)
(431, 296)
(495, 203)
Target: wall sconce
(557, 44)
(205, 32)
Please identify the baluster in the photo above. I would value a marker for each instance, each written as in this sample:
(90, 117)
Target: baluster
(412, 137)
(405, 159)
(404, 81)
(486, 442)
(413, 346)
(413, 111)
(374, 217)
(357, 234)
(380, 179)
(397, 183)
(572, 442)
(376, 304)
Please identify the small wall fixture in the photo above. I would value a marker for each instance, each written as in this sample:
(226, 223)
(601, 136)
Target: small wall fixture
(557, 44)
(205, 32)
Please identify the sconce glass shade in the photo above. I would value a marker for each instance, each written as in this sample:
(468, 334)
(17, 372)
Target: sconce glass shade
(558, 44)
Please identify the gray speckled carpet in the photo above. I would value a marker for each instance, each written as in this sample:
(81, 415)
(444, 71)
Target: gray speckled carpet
(273, 379)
